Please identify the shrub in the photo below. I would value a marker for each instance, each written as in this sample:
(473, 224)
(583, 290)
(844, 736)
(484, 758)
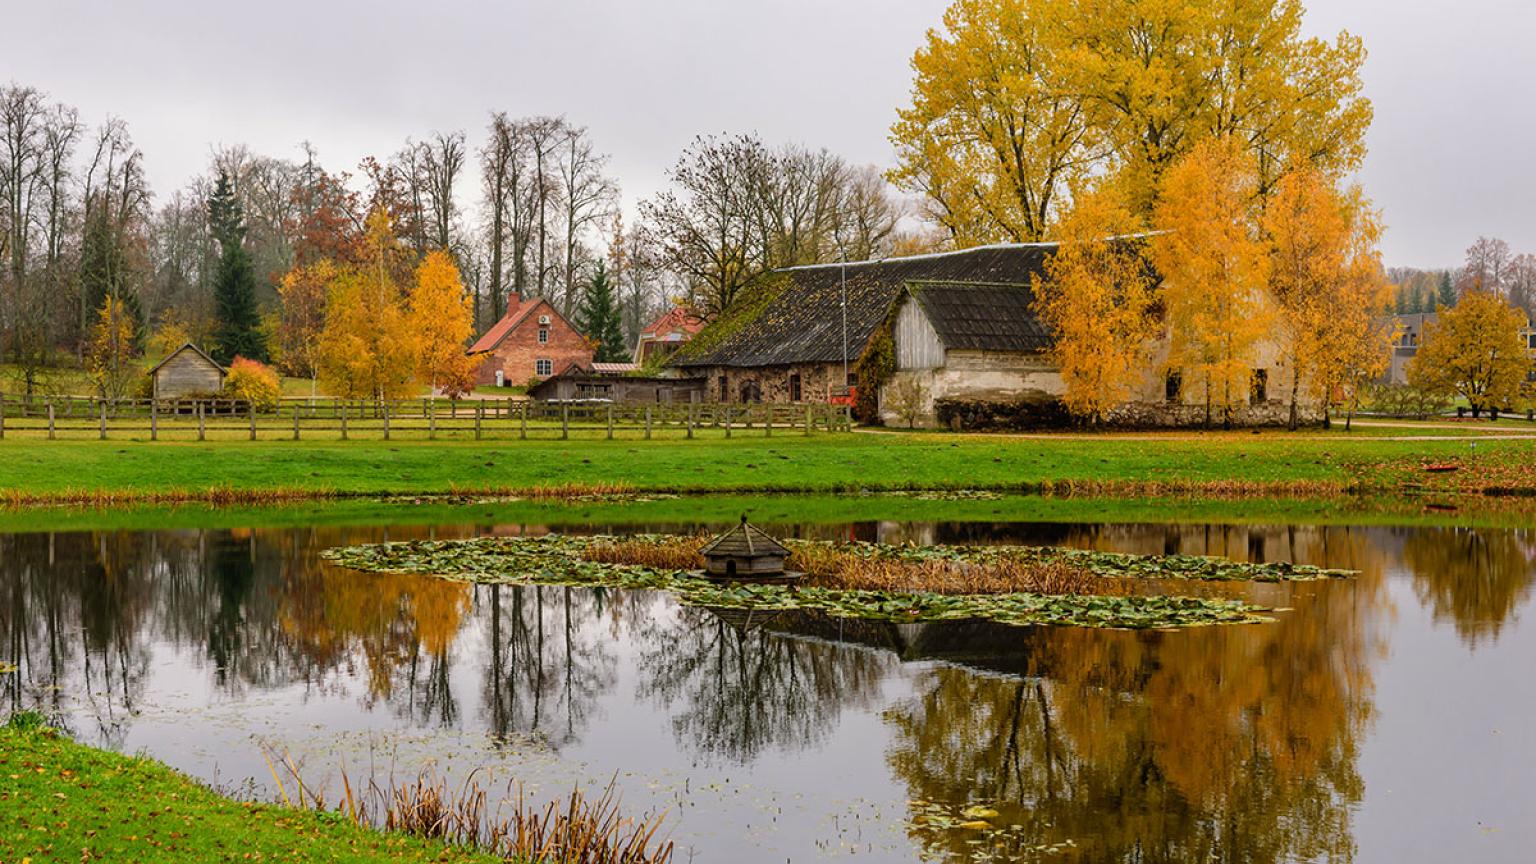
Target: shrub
(253, 382)
(978, 415)
(1406, 400)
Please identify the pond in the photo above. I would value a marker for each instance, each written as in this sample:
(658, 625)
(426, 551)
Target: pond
(1379, 719)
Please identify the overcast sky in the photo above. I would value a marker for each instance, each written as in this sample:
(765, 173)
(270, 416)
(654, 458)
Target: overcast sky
(1453, 149)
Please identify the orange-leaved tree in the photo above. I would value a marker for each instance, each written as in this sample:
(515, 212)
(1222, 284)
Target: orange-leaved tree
(301, 317)
(1474, 350)
(442, 320)
(1329, 287)
(366, 348)
(1215, 266)
(1096, 298)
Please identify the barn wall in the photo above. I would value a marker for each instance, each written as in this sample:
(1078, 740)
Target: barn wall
(187, 374)
(816, 381)
(917, 343)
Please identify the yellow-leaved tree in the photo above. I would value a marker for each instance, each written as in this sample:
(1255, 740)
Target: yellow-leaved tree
(1327, 281)
(301, 318)
(442, 319)
(1096, 297)
(110, 349)
(366, 349)
(1215, 267)
(1474, 350)
(1013, 101)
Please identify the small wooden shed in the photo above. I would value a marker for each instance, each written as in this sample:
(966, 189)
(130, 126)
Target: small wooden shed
(186, 372)
(745, 552)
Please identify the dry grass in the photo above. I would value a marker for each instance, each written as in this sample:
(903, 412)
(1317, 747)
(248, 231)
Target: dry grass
(218, 496)
(575, 830)
(828, 565)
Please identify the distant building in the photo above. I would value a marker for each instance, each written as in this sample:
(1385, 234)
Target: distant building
(530, 343)
(1410, 334)
(185, 373)
(666, 334)
(578, 384)
(965, 336)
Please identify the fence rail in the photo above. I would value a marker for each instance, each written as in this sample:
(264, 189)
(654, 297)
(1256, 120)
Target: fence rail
(432, 419)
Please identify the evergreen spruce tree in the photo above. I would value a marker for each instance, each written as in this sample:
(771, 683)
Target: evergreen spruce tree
(1447, 295)
(601, 320)
(234, 285)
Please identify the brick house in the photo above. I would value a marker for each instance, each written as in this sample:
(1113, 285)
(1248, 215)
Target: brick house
(669, 332)
(533, 341)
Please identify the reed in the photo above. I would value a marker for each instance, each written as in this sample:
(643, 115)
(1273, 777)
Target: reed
(829, 565)
(571, 830)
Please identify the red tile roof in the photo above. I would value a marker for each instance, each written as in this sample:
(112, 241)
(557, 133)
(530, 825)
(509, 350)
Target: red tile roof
(676, 318)
(508, 322)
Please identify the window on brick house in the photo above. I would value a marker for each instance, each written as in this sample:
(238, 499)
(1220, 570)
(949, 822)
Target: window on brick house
(543, 335)
(544, 367)
(794, 387)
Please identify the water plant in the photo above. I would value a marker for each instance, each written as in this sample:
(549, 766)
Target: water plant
(562, 560)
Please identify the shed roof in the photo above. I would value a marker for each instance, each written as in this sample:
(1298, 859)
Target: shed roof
(800, 319)
(983, 316)
(744, 541)
(515, 316)
(188, 347)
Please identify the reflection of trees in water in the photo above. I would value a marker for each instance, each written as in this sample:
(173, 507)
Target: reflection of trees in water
(736, 690)
(72, 616)
(1477, 579)
(1226, 743)
(548, 659)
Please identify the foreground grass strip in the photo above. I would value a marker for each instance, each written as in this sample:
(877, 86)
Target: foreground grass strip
(556, 560)
(63, 801)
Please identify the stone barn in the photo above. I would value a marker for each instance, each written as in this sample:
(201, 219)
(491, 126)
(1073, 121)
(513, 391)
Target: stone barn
(185, 373)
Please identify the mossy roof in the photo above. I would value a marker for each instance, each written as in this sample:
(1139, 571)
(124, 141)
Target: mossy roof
(801, 320)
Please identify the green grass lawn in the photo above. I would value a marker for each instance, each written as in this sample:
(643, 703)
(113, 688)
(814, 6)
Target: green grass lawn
(63, 801)
(1215, 462)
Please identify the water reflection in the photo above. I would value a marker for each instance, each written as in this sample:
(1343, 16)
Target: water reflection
(1225, 743)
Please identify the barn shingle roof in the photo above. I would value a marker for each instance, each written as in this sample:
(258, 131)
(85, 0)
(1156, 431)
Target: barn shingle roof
(803, 322)
(983, 316)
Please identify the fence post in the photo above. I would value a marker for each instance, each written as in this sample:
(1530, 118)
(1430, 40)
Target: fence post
(807, 421)
(479, 413)
(727, 422)
(101, 406)
(2, 418)
(154, 422)
(847, 418)
(523, 430)
(767, 421)
(296, 409)
(690, 419)
(201, 429)
(431, 419)
(610, 421)
(343, 411)
(50, 419)
(565, 420)
(250, 412)
(384, 410)
(647, 422)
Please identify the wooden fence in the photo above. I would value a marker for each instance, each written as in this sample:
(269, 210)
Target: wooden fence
(430, 419)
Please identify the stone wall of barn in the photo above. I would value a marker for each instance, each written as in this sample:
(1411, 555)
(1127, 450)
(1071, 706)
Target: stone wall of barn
(769, 383)
(518, 354)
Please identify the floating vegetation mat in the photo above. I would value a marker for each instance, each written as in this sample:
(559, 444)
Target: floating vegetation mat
(559, 560)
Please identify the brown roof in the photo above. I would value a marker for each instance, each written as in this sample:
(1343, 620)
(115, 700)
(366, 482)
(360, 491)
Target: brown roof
(200, 352)
(744, 541)
(983, 317)
(803, 321)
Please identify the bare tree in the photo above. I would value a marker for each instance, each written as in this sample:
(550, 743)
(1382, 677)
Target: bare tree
(1487, 266)
(589, 198)
(439, 162)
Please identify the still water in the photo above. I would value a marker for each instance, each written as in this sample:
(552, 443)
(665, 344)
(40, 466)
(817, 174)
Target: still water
(1383, 719)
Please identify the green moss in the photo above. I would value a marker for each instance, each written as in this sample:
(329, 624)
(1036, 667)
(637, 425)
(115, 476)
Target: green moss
(64, 801)
(750, 303)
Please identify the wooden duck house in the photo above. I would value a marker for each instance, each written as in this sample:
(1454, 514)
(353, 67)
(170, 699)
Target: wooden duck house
(745, 553)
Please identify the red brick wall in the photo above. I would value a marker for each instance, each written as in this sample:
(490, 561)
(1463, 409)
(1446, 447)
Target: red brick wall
(517, 354)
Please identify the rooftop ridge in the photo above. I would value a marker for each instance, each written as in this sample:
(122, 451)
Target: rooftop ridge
(924, 256)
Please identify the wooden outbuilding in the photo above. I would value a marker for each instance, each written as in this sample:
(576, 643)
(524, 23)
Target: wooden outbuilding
(187, 372)
(746, 553)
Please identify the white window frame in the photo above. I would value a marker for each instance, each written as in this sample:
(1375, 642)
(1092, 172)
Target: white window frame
(544, 366)
(543, 335)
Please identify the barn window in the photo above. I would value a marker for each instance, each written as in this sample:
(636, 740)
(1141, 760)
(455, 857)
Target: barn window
(544, 367)
(543, 335)
(1173, 388)
(1260, 387)
(725, 390)
(794, 387)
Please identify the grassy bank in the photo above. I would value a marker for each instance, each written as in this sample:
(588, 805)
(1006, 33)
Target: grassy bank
(1275, 464)
(63, 801)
